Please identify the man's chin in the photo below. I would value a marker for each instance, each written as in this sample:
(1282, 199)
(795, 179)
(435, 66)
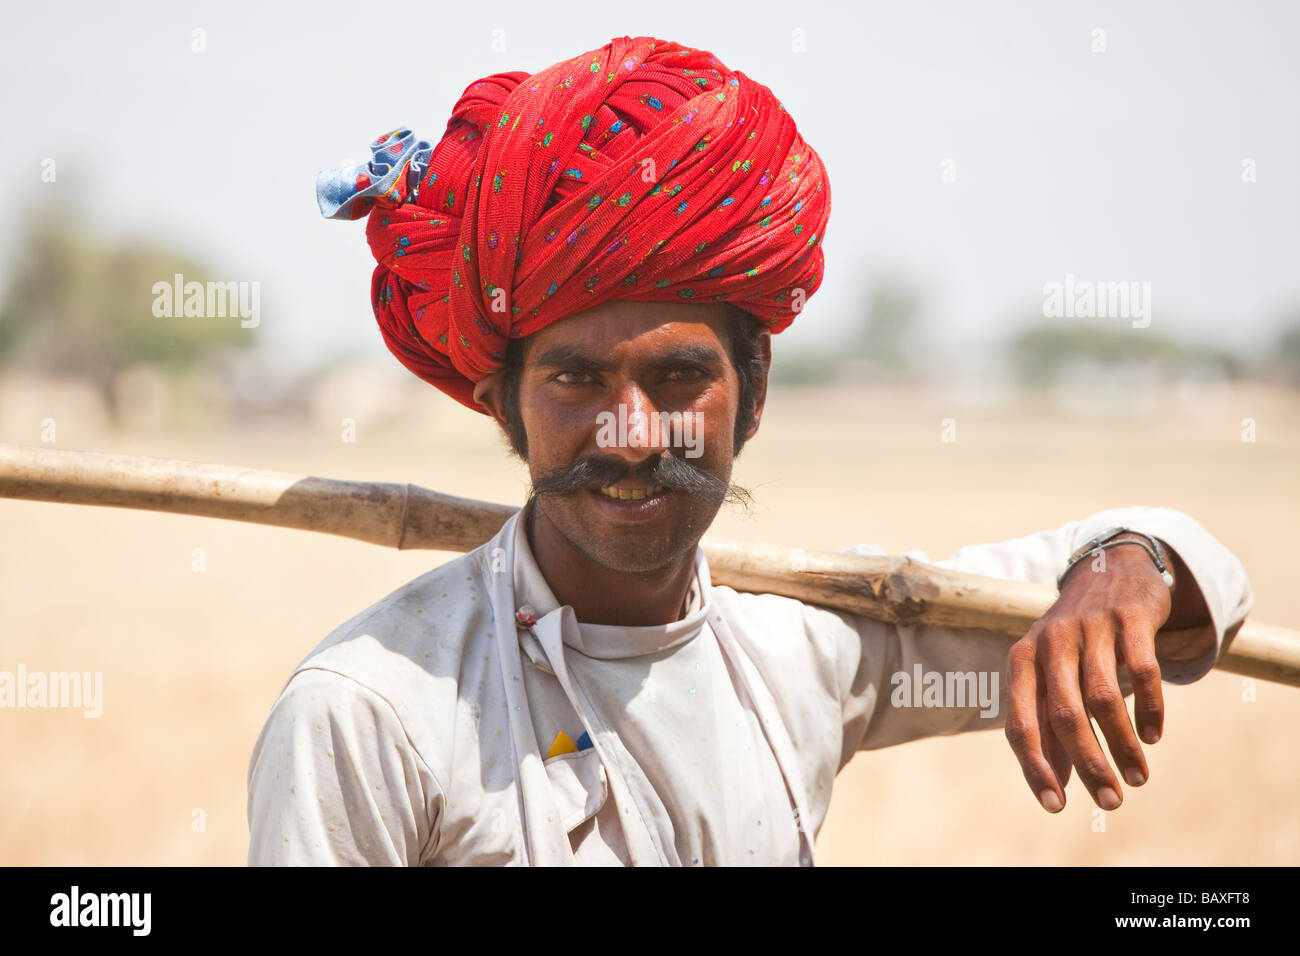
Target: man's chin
(629, 536)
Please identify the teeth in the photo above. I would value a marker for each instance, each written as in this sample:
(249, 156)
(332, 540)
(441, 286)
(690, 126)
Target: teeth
(630, 494)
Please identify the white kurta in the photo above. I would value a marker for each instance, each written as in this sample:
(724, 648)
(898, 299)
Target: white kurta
(418, 732)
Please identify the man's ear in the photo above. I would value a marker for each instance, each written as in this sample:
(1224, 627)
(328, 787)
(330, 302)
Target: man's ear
(488, 393)
(760, 383)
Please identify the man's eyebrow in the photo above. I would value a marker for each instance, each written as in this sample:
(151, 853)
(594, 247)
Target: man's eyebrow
(571, 357)
(579, 359)
(699, 353)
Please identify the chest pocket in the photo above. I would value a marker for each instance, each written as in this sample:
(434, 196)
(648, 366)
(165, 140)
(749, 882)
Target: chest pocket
(579, 784)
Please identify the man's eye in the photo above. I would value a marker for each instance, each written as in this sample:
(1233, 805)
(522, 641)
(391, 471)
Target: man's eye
(574, 378)
(686, 373)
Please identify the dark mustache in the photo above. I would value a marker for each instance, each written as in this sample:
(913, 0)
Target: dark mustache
(677, 474)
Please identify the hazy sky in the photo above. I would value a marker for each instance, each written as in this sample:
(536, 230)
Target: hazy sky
(1122, 165)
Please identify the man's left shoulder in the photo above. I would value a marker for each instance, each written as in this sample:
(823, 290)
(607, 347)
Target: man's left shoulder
(783, 630)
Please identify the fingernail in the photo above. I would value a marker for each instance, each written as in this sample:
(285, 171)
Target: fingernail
(1135, 777)
(1050, 801)
(1107, 798)
(1150, 735)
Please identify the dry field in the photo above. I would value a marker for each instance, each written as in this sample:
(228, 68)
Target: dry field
(192, 661)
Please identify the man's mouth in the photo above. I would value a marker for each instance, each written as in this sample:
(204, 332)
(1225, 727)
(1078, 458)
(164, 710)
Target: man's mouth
(622, 492)
(632, 500)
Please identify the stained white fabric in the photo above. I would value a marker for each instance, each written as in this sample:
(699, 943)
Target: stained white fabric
(417, 732)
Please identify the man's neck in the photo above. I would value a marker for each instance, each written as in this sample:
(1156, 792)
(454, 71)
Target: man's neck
(600, 595)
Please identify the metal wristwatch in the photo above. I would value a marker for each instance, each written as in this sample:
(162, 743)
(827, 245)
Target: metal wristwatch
(1101, 541)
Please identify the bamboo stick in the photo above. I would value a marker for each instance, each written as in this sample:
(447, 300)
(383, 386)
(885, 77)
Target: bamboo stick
(887, 588)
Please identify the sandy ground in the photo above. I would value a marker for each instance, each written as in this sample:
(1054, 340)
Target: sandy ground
(192, 661)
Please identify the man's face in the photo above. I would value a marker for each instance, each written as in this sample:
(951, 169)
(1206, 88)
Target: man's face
(629, 409)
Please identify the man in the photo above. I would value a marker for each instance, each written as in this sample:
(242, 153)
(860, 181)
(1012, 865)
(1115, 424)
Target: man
(597, 256)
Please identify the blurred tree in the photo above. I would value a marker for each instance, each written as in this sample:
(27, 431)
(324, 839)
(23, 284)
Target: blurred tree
(799, 367)
(1288, 351)
(79, 305)
(887, 335)
(881, 342)
(1041, 351)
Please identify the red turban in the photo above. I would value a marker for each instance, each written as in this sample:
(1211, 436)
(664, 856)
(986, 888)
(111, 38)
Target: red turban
(643, 170)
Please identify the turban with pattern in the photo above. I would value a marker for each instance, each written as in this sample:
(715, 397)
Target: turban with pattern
(642, 170)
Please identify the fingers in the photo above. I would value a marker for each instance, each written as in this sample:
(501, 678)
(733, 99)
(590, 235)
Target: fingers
(1137, 650)
(1068, 714)
(1052, 747)
(1062, 675)
(1022, 724)
(1105, 700)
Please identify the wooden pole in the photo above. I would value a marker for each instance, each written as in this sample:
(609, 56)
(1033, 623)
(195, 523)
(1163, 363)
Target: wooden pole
(891, 589)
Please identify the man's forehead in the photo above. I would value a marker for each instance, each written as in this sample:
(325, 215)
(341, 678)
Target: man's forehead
(622, 325)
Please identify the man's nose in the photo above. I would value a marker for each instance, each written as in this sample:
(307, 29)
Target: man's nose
(636, 435)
